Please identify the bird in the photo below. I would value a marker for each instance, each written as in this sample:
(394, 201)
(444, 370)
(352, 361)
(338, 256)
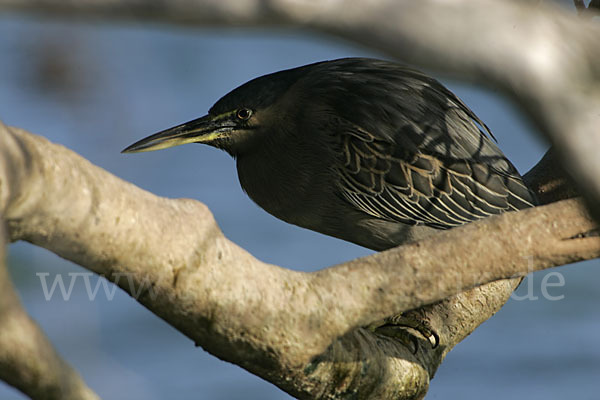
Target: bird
(369, 151)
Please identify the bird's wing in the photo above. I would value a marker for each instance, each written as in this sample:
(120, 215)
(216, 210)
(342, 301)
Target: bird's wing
(415, 182)
(408, 149)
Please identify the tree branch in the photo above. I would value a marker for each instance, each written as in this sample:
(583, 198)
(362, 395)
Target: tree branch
(277, 323)
(28, 361)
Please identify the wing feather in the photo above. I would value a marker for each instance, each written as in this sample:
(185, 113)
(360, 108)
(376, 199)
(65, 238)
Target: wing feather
(419, 188)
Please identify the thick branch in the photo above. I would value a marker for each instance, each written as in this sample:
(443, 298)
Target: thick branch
(272, 321)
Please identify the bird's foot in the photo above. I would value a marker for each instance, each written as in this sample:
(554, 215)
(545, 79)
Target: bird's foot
(409, 328)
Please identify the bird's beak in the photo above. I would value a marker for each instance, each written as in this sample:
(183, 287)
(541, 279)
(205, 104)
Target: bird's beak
(201, 130)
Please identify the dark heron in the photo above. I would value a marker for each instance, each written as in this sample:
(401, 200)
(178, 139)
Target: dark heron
(365, 150)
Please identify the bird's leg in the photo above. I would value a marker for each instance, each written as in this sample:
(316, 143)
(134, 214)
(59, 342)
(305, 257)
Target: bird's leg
(405, 327)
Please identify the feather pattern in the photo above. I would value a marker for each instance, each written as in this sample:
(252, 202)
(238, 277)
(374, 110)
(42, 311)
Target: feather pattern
(418, 187)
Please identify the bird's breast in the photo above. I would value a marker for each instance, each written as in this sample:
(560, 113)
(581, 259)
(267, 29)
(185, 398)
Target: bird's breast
(288, 186)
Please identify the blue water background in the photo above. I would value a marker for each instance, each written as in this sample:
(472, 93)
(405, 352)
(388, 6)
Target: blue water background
(98, 87)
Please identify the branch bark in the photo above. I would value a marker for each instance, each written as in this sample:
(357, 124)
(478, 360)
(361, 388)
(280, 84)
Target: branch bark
(297, 330)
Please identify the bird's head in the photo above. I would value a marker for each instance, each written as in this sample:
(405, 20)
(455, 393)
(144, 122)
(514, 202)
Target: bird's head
(235, 123)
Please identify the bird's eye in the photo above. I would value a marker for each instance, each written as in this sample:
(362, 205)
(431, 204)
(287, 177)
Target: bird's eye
(244, 113)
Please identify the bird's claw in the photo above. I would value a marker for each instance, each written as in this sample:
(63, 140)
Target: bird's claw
(406, 327)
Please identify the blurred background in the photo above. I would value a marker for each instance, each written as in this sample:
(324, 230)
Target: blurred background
(96, 87)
